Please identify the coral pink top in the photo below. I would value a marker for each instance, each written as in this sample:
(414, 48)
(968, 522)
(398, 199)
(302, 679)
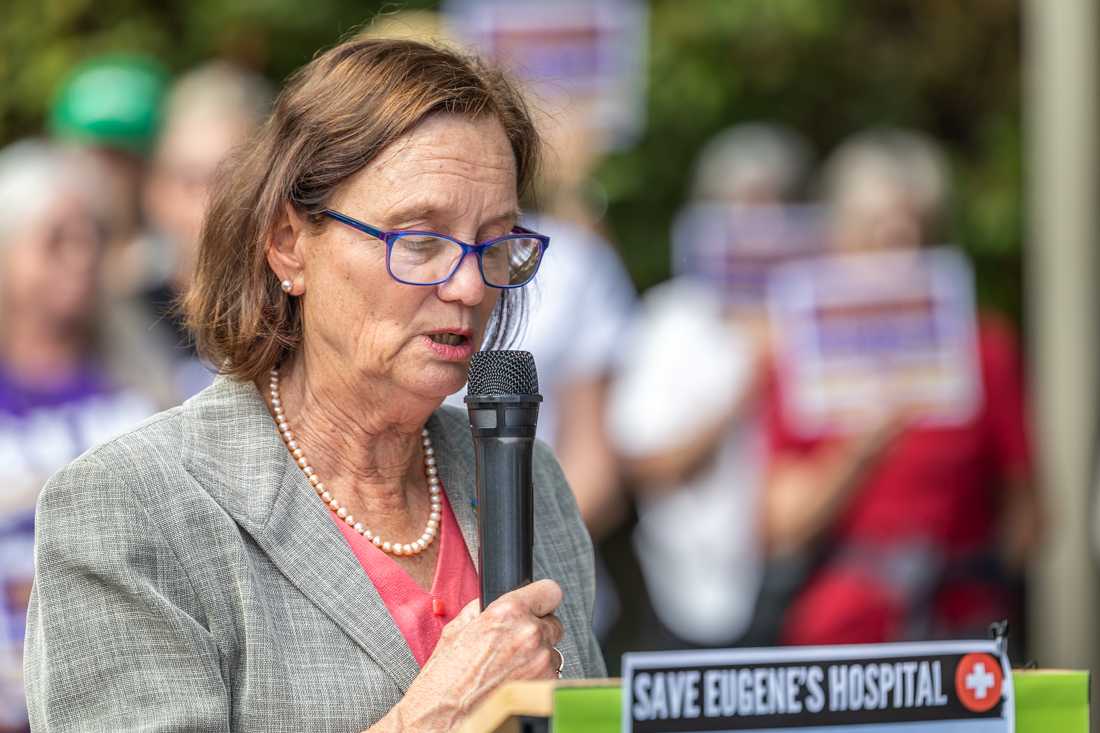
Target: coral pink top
(420, 615)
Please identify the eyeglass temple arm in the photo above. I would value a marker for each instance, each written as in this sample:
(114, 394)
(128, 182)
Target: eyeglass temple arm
(355, 223)
(524, 230)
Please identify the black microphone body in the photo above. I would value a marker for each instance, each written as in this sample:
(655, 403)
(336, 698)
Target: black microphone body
(503, 418)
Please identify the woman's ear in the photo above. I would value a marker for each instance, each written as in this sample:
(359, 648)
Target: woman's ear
(284, 250)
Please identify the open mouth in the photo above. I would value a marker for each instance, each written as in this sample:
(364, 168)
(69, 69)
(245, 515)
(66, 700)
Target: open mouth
(450, 339)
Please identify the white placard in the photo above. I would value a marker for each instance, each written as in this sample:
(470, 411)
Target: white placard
(591, 54)
(861, 337)
(736, 247)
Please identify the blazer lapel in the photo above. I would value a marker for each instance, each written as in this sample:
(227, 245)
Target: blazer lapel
(455, 459)
(234, 450)
(308, 548)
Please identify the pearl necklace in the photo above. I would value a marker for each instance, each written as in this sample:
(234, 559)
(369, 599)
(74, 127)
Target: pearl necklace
(395, 548)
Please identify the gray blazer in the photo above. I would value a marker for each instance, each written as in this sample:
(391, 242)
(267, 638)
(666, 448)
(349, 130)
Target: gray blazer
(188, 579)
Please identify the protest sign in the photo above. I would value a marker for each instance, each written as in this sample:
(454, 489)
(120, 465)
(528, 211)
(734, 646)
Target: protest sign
(590, 53)
(946, 687)
(736, 247)
(863, 337)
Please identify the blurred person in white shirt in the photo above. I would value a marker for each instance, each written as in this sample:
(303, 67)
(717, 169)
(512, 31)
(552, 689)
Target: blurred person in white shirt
(685, 412)
(579, 307)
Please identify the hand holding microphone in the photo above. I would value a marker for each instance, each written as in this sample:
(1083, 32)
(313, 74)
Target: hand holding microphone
(514, 636)
(513, 639)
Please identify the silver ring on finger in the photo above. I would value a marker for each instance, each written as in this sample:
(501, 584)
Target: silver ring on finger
(561, 662)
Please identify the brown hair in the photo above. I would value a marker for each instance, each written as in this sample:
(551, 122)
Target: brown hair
(334, 116)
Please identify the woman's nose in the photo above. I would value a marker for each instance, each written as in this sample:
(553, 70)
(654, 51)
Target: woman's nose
(466, 285)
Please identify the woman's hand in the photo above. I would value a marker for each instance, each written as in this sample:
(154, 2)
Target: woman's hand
(805, 493)
(513, 639)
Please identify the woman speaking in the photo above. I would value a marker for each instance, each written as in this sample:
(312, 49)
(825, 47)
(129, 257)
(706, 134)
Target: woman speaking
(292, 549)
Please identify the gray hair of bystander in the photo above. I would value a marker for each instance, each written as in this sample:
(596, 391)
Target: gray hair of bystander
(33, 175)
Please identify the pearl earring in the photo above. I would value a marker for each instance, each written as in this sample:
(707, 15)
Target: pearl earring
(286, 285)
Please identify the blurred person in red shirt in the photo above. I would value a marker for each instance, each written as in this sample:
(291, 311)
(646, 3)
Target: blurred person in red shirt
(911, 532)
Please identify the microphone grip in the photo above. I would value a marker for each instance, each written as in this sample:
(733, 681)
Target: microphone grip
(505, 516)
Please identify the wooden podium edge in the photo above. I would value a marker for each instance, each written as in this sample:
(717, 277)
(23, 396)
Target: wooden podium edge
(534, 698)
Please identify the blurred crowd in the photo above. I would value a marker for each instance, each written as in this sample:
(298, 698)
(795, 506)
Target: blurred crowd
(101, 217)
(824, 440)
(808, 435)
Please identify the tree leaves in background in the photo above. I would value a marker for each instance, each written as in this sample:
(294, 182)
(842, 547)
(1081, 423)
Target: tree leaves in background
(826, 67)
(830, 68)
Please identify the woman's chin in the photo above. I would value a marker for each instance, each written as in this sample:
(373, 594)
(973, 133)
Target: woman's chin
(440, 382)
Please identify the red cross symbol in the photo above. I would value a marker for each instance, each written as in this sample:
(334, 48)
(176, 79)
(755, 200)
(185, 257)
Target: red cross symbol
(978, 682)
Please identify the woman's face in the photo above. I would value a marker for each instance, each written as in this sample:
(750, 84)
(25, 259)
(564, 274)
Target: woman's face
(176, 191)
(876, 214)
(51, 265)
(452, 175)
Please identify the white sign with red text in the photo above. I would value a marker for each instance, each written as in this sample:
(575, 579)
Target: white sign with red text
(861, 338)
(590, 53)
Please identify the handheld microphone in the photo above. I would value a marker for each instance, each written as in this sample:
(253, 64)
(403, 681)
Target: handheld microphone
(503, 404)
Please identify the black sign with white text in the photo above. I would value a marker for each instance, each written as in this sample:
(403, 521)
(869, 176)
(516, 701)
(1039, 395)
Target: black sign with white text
(863, 688)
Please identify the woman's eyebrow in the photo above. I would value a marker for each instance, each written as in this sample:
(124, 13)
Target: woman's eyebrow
(417, 212)
(508, 217)
(409, 213)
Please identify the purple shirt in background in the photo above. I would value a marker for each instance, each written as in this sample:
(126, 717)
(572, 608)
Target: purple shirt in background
(41, 430)
(19, 399)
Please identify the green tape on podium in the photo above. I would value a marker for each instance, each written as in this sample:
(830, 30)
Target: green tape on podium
(587, 710)
(1046, 701)
(1051, 700)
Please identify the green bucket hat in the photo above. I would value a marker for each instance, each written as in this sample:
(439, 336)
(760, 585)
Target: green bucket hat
(113, 101)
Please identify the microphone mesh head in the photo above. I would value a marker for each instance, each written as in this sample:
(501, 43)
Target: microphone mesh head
(503, 372)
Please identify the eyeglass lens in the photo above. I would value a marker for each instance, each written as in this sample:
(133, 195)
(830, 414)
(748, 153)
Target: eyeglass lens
(423, 259)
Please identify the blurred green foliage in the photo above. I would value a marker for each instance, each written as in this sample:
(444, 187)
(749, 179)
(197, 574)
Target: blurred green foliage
(826, 67)
(829, 68)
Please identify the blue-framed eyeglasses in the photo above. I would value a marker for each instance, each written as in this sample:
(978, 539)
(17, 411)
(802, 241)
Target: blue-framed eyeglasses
(430, 258)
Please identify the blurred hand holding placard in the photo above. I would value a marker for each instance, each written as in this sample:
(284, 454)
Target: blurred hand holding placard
(862, 338)
(950, 687)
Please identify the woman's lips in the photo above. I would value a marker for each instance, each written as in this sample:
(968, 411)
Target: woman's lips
(461, 351)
